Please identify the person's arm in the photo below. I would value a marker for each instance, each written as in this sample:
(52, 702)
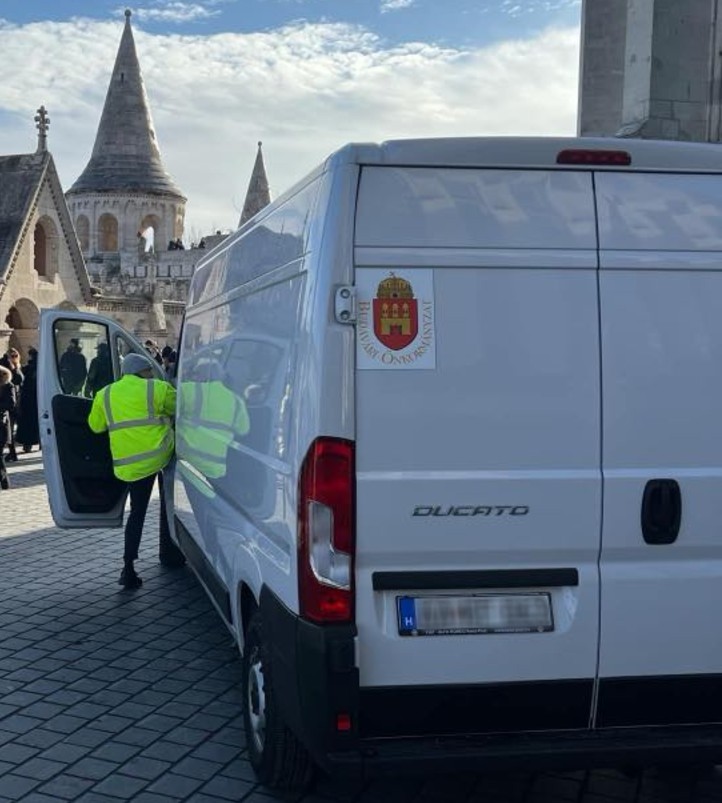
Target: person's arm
(96, 419)
(168, 401)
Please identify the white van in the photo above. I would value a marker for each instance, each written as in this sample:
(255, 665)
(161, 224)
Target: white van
(476, 521)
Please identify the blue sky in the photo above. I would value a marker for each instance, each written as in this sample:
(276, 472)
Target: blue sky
(303, 76)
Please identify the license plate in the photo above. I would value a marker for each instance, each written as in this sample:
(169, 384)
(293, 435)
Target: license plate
(445, 615)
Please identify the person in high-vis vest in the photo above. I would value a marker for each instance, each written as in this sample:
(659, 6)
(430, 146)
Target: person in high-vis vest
(213, 418)
(137, 411)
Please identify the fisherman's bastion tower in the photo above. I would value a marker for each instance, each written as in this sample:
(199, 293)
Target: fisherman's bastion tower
(114, 242)
(129, 213)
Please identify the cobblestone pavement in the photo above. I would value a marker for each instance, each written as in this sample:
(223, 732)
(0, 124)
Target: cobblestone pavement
(107, 695)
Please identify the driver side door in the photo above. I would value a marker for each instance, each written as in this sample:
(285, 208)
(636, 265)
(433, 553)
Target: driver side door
(79, 354)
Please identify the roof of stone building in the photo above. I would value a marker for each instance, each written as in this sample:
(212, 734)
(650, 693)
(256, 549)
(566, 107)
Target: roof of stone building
(258, 194)
(22, 178)
(126, 156)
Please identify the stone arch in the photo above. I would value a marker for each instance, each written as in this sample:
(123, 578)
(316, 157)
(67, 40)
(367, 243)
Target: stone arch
(23, 318)
(107, 232)
(45, 247)
(66, 306)
(82, 227)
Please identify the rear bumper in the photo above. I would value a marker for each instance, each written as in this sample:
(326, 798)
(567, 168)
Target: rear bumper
(316, 681)
(573, 750)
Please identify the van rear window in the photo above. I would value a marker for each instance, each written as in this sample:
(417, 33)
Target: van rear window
(472, 208)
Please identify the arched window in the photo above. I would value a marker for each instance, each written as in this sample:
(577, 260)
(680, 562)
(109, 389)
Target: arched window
(82, 228)
(107, 233)
(45, 248)
(41, 251)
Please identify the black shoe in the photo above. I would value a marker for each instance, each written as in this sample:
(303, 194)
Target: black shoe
(4, 484)
(12, 457)
(129, 579)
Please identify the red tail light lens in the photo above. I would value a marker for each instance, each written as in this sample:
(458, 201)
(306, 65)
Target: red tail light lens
(594, 157)
(326, 531)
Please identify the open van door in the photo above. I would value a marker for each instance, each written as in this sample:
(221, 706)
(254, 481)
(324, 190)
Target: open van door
(79, 354)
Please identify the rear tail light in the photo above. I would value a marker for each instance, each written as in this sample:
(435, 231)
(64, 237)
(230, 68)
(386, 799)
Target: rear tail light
(326, 531)
(579, 156)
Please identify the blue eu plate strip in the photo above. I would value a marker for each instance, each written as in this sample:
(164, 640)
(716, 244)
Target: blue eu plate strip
(407, 614)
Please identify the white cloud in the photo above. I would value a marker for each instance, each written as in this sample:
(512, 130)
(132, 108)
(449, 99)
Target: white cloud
(395, 5)
(176, 12)
(305, 90)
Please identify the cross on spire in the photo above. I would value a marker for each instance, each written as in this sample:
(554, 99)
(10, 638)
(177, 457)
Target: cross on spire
(42, 123)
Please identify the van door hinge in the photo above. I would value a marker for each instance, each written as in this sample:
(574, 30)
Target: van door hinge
(345, 306)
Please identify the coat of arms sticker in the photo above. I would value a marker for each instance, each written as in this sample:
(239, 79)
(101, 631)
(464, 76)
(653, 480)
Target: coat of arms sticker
(395, 325)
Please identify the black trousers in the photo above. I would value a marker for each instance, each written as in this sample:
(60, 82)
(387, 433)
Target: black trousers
(140, 492)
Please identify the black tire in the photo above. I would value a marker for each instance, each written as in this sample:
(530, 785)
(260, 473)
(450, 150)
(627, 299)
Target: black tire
(279, 760)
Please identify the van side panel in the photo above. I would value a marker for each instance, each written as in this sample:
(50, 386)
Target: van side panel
(235, 498)
(478, 472)
(661, 285)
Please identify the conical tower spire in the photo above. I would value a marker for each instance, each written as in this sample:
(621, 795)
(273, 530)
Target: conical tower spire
(125, 155)
(258, 194)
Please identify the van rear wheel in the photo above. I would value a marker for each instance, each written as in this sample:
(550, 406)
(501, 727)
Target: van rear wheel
(279, 760)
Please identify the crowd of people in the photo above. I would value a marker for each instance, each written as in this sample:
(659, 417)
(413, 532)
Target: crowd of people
(18, 408)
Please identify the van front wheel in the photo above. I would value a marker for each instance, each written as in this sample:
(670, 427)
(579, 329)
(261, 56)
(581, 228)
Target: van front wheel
(277, 757)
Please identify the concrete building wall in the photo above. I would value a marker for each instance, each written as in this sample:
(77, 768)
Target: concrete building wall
(601, 85)
(671, 69)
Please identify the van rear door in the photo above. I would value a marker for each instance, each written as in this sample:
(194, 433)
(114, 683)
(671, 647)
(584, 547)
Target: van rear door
(478, 449)
(661, 563)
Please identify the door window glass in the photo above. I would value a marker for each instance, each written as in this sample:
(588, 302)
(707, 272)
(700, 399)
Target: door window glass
(82, 356)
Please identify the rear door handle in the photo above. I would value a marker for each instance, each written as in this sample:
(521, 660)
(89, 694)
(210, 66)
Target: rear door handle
(661, 511)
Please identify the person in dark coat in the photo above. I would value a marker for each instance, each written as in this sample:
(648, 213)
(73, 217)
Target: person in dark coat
(28, 431)
(11, 361)
(8, 404)
(100, 372)
(73, 368)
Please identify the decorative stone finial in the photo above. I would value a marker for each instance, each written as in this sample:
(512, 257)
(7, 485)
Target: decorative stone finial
(128, 13)
(42, 123)
(259, 143)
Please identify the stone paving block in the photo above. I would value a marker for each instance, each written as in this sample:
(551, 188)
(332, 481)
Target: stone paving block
(188, 736)
(17, 723)
(66, 697)
(88, 737)
(94, 769)
(198, 768)
(43, 710)
(228, 788)
(16, 753)
(177, 786)
(39, 768)
(136, 736)
(67, 753)
(123, 786)
(64, 723)
(6, 709)
(239, 768)
(16, 786)
(115, 751)
(146, 767)
(40, 738)
(166, 751)
(160, 722)
(215, 751)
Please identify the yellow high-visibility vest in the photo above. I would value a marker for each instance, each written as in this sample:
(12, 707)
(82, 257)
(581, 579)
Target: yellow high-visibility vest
(137, 413)
(211, 417)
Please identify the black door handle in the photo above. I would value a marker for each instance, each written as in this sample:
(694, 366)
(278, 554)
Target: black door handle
(661, 511)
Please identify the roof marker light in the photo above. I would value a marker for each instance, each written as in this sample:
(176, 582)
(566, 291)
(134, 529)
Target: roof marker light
(577, 156)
